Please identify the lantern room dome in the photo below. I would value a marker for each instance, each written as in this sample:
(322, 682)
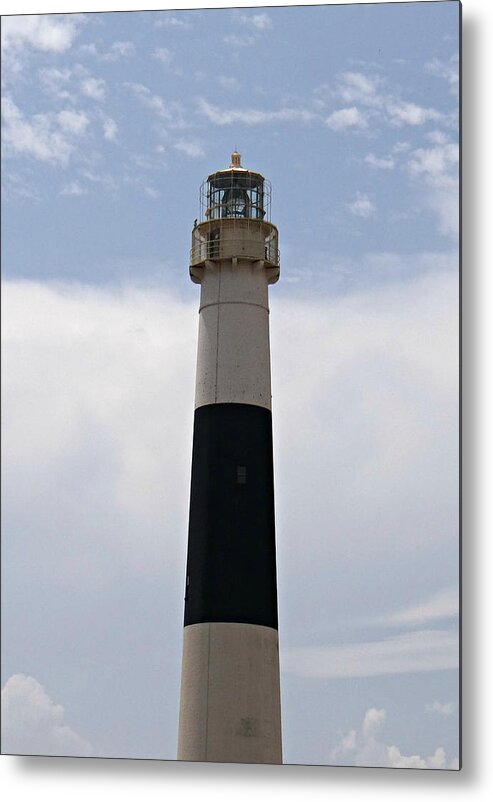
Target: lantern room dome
(235, 167)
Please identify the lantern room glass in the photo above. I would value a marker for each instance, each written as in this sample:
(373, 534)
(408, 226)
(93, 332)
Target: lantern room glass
(234, 194)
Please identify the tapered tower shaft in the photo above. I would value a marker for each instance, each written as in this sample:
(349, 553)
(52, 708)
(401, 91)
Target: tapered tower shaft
(230, 694)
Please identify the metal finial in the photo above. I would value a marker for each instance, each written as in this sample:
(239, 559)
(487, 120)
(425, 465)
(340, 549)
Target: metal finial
(235, 159)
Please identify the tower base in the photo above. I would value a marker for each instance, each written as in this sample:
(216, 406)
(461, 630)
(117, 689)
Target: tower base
(230, 708)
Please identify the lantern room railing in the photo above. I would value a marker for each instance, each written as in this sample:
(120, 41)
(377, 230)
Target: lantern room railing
(229, 238)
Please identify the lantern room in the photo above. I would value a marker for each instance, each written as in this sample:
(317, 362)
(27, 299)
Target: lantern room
(235, 192)
(234, 218)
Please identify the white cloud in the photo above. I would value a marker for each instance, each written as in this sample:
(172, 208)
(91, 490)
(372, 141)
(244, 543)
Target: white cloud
(438, 163)
(448, 70)
(380, 163)
(95, 88)
(171, 114)
(354, 87)
(362, 206)
(153, 102)
(110, 129)
(15, 186)
(444, 604)
(401, 147)
(164, 55)
(252, 116)
(92, 354)
(363, 747)
(55, 82)
(396, 760)
(104, 181)
(380, 104)
(88, 49)
(73, 188)
(32, 724)
(425, 650)
(400, 461)
(261, 22)
(46, 137)
(119, 50)
(47, 32)
(74, 122)
(192, 149)
(437, 137)
(346, 118)
(239, 41)
(116, 51)
(229, 83)
(438, 168)
(165, 20)
(443, 709)
(402, 113)
(383, 370)
(445, 205)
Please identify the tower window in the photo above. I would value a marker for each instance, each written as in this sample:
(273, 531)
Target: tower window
(241, 474)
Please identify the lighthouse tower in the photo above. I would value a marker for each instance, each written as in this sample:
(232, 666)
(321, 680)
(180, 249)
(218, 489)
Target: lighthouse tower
(230, 697)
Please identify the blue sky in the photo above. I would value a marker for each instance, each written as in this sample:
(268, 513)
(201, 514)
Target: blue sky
(110, 123)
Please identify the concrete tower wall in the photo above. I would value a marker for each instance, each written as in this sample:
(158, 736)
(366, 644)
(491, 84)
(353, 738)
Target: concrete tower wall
(230, 693)
(233, 362)
(231, 708)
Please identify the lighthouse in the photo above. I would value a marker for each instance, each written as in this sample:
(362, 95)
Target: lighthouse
(230, 709)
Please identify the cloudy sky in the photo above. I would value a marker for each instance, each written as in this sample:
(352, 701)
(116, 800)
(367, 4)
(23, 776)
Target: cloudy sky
(110, 123)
